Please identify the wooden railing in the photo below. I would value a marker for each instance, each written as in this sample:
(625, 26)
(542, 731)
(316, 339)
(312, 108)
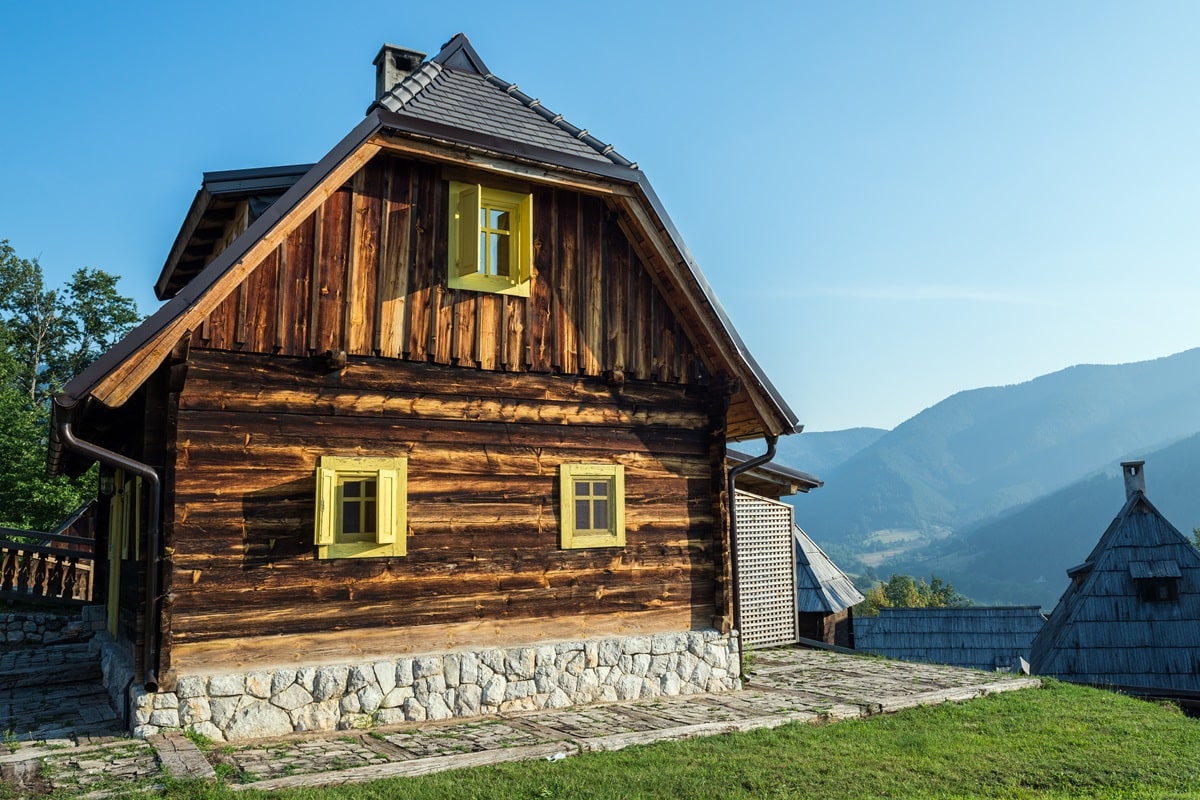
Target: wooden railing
(38, 566)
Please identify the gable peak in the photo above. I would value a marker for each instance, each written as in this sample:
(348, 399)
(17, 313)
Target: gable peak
(460, 55)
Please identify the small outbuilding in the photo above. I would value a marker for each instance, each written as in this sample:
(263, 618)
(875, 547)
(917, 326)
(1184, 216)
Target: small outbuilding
(1130, 618)
(978, 637)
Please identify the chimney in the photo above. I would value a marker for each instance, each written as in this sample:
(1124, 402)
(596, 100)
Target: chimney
(1135, 477)
(392, 65)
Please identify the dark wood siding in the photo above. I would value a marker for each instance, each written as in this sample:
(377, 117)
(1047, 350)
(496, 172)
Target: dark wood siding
(366, 274)
(483, 452)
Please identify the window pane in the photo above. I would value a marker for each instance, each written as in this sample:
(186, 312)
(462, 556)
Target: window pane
(493, 256)
(600, 512)
(582, 517)
(500, 220)
(481, 267)
(501, 262)
(370, 516)
(351, 488)
(600, 489)
(351, 518)
(368, 488)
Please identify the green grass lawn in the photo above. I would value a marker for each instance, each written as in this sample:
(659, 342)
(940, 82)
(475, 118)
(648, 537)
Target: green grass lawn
(1060, 741)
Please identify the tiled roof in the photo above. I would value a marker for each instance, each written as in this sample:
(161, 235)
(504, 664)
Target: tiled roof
(455, 88)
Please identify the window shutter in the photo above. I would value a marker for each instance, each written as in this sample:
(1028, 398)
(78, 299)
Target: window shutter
(385, 499)
(326, 525)
(524, 252)
(467, 209)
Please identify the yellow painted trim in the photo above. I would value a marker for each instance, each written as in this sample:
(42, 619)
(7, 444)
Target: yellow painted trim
(569, 537)
(391, 524)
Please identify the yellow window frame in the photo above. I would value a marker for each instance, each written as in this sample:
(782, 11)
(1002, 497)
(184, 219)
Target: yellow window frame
(391, 521)
(573, 534)
(468, 267)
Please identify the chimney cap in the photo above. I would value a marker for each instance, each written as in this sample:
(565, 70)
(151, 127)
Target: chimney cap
(1135, 477)
(392, 65)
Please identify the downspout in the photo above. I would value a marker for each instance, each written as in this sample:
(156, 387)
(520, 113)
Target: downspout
(733, 548)
(109, 458)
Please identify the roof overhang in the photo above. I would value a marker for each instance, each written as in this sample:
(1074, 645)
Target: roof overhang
(772, 480)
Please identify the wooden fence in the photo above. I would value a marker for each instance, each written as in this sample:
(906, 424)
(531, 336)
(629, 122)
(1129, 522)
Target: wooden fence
(38, 566)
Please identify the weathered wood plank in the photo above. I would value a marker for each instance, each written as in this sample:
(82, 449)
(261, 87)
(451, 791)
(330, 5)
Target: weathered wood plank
(393, 307)
(592, 297)
(424, 281)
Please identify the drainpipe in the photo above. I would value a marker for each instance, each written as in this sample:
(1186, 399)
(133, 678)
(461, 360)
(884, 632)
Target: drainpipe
(109, 458)
(733, 549)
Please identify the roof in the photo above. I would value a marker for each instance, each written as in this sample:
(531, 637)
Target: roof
(979, 637)
(534, 146)
(1103, 632)
(821, 587)
(771, 479)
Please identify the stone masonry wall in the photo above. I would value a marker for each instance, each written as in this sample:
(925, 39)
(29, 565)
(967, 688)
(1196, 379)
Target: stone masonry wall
(457, 684)
(40, 628)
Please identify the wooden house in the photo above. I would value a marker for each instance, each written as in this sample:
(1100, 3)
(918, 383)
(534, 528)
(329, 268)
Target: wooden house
(435, 426)
(1130, 618)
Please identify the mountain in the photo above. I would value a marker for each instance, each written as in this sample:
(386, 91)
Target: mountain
(818, 453)
(1022, 557)
(982, 452)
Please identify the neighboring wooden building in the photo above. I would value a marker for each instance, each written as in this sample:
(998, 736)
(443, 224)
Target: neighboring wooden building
(979, 637)
(1130, 618)
(825, 596)
(456, 390)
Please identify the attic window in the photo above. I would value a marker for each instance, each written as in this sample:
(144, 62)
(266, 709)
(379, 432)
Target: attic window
(491, 239)
(1156, 581)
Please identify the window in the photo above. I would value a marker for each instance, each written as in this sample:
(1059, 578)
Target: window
(361, 507)
(491, 239)
(593, 505)
(1158, 590)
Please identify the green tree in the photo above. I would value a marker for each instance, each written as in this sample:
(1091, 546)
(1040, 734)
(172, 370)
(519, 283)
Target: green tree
(46, 336)
(903, 591)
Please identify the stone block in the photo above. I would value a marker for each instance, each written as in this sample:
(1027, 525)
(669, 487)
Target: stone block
(369, 698)
(493, 660)
(222, 710)
(291, 697)
(641, 664)
(519, 663)
(452, 670)
(190, 686)
(518, 689)
(425, 666)
(165, 700)
(468, 668)
(544, 655)
(145, 731)
(257, 720)
(389, 716)
(282, 679)
(629, 687)
(358, 677)
(670, 684)
(404, 672)
(306, 677)
(558, 699)
(396, 697)
(414, 711)
(636, 644)
(329, 683)
(545, 678)
(322, 716)
(349, 704)
(165, 717)
(468, 700)
(207, 729)
(258, 684)
(226, 686)
(437, 708)
(385, 675)
(494, 691)
(194, 710)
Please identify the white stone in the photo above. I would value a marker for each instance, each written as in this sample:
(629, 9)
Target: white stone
(258, 684)
(519, 663)
(222, 709)
(369, 698)
(527, 703)
(414, 711)
(226, 686)
(518, 689)
(322, 716)
(306, 677)
(389, 716)
(166, 700)
(292, 697)
(651, 688)
(641, 664)
(660, 664)
(426, 666)
(558, 699)
(591, 654)
(194, 710)
(670, 684)
(329, 683)
(349, 704)
(385, 675)
(438, 709)
(636, 644)
(662, 643)
(190, 686)
(256, 720)
(608, 653)
(467, 700)
(452, 670)
(358, 677)
(404, 672)
(396, 697)
(145, 731)
(165, 717)
(282, 679)
(629, 687)
(493, 660)
(545, 654)
(494, 691)
(545, 678)
(468, 668)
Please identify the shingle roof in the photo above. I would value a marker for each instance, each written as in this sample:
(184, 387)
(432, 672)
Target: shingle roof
(821, 587)
(456, 88)
(1103, 632)
(978, 637)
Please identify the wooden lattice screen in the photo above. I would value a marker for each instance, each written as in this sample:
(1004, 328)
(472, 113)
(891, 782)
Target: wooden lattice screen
(766, 571)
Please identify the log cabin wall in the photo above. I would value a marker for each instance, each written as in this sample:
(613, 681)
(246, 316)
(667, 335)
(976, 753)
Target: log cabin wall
(366, 274)
(483, 452)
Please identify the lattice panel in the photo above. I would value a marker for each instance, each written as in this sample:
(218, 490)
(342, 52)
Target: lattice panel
(766, 571)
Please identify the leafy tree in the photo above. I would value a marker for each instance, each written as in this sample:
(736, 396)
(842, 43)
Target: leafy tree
(902, 591)
(1196, 537)
(46, 336)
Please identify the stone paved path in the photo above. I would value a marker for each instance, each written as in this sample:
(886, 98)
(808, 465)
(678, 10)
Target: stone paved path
(788, 685)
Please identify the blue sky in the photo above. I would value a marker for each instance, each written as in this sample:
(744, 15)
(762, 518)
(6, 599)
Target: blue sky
(893, 200)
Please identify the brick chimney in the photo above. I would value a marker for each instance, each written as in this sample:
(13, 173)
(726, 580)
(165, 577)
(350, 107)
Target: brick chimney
(392, 65)
(1135, 477)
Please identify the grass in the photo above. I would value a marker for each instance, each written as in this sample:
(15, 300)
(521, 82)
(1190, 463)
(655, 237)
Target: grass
(1058, 742)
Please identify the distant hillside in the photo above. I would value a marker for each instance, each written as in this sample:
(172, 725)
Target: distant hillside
(1022, 557)
(982, 452)
(818, 453)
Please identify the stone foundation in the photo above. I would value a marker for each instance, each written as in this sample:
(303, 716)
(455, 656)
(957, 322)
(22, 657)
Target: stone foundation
(433, 687)
(41, 628)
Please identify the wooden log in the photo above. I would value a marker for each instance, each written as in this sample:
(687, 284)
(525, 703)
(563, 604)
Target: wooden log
(592, 295)
(297, 277)
(394, 305)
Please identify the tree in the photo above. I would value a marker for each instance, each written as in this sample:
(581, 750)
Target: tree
(902, 591)
(46, 336)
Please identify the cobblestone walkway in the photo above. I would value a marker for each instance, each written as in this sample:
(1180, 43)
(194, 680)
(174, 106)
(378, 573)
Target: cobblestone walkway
(789, 685)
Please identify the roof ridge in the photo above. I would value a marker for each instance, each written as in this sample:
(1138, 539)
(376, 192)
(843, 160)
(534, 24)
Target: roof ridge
(407, 90)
